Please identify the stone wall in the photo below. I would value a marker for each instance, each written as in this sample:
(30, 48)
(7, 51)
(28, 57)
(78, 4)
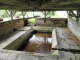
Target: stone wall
(74, 26)
(56, 22)
(7, 28)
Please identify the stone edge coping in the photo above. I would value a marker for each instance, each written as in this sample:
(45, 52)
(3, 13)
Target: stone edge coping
(54, 39)
(19, 40)
(55, 53)
(54, 43)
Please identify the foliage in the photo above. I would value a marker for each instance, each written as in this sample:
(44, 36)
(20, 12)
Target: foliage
(32, 20)
(51, 13)
(3, 14)
(73, 18)
(18, 14)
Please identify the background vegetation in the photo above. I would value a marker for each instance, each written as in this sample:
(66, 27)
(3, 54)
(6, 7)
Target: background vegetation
(51, 14)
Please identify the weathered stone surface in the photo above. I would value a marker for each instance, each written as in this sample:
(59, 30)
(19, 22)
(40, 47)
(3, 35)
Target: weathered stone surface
(3, 56)
(54, 39)
(43, 29)
(66, 56)
(66, 39)
(11, 38)
(14, 52)
(59, 22)
(25, 28)
(19, 41)
(7, 28)
(46, 58)
(12, 57)
(77, 56)
(74, 26)
(26, 57)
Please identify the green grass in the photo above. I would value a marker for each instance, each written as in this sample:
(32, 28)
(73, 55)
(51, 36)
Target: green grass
(56, 16)
(32, 20)
(73, 18)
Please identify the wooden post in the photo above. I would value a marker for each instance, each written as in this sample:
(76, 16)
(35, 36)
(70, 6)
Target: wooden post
(11, 14)
(78, 13)
(23, 13)
(33, 13)
(45, 14)
(70, 15)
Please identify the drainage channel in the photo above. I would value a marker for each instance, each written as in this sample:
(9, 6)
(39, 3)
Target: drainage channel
(67, 50)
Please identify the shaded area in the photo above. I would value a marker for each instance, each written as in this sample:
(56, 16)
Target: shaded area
(39, 43)
(67, 40)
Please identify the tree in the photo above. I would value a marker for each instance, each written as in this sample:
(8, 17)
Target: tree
(3, 14)
(51, 13)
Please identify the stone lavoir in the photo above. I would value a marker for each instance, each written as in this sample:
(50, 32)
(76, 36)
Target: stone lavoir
(33, 41)
(39, 43)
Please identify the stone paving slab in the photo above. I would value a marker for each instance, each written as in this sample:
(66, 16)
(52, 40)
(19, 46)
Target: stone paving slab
(54, 53)
(25, 28)
(3, 56)
(66, 39)
(47, 58)
(77, 56)
(12, 57)
(63, 56)
(42, 28)
(26, 57)
(66, 56)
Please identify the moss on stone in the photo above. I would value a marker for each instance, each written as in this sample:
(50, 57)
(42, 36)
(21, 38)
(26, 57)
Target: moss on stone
(19, 41)
(44, 30)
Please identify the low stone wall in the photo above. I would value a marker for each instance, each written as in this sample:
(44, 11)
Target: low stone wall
(74, 26)
(56, 22)
(7, 27)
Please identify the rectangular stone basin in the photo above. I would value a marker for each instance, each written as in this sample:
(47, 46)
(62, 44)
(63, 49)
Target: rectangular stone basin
(35, 42)
(38, 43)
